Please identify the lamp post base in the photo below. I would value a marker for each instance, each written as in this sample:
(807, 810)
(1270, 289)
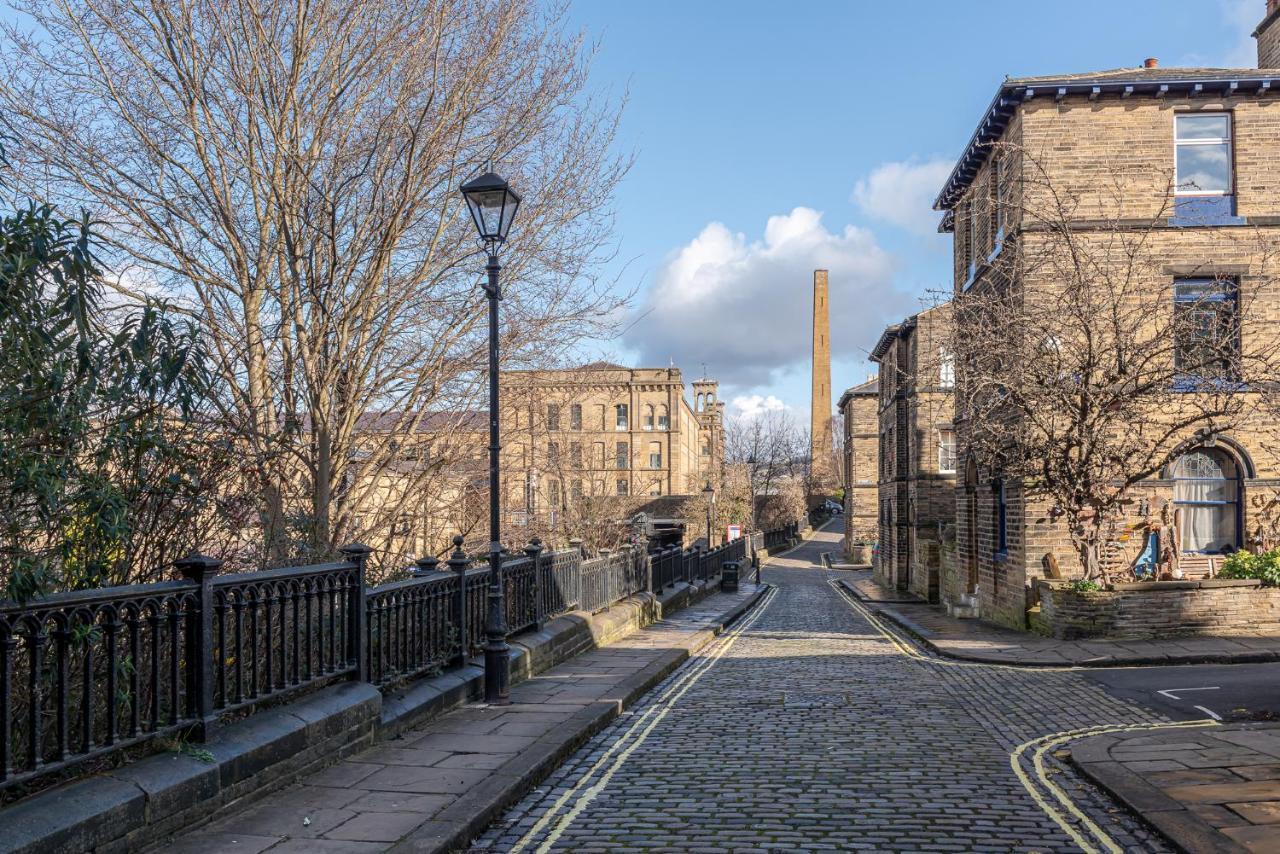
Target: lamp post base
(497, 673)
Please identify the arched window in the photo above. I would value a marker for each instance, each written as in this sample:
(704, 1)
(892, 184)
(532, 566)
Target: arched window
(648, 416)
(664, 423)
(1206, 489)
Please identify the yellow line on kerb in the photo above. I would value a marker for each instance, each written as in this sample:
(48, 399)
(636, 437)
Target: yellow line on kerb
(1039, 746)
(645, 724)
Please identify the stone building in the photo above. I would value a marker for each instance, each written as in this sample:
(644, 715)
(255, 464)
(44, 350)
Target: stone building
(859, 410)
(605, 431)
(1205, 144)
(916, 479)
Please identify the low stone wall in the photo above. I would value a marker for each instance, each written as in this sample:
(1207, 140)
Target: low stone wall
(1157, 609)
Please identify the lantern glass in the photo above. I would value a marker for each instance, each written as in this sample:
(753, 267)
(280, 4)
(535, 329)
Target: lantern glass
(492, 204)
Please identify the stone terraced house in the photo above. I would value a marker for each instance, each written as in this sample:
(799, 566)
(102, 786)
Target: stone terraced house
(1217, 132)
(916, 480)
(859, 415)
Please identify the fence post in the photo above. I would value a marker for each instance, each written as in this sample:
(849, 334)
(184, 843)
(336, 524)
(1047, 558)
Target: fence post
(424, 566)
(201, 672)
(357, 618)
(459, 563)
(534, 551)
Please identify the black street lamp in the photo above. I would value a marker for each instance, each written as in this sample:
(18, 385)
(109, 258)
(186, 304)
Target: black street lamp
(710, 493)
(493, 206)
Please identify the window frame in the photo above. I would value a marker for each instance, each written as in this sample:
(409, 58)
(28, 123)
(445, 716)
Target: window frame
(942, 445)
(946, 367)
(1228, 140)
(553, 417)
(1236, 504)
(1230, 294)
(621, 417)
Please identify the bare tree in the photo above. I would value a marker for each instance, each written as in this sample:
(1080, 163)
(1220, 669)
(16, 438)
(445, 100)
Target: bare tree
(289, 172)
(768, 450)
(1080, 374)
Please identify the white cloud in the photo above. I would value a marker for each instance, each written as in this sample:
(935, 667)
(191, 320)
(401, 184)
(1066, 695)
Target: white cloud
(902, 193)
(1239, 18)
(755, 405)
(744, 307)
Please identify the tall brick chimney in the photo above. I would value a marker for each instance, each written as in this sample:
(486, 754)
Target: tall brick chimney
(821, 460)
(1268, 36)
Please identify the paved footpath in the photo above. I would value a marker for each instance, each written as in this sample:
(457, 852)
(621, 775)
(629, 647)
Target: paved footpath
(812, 726)
(427, 785)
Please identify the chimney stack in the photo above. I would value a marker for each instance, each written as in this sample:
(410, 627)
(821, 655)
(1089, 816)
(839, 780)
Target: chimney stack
(1151, 62)
(1268, 36)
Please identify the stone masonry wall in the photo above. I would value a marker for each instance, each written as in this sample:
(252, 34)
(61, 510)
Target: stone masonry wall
(1158, 609)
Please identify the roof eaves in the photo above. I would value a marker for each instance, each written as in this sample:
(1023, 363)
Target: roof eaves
(1014, 92)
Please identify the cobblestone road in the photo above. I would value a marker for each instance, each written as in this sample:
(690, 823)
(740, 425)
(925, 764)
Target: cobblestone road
(806, 728)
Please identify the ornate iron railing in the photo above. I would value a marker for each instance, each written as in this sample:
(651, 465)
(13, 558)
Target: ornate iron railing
(84, 673)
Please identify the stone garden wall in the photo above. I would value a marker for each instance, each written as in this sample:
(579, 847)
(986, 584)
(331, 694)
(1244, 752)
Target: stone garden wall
(1157, 609)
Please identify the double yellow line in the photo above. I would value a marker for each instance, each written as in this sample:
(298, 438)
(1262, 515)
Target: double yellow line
(1066, 814)
(582, 794)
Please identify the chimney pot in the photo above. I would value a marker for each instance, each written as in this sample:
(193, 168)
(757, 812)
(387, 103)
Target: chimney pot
(1152, 62)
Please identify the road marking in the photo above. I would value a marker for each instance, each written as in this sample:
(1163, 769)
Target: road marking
(1039, 746)
(1168, 692)
(1043, 745)
(908, 647)
(1210, 712)
(645, 725)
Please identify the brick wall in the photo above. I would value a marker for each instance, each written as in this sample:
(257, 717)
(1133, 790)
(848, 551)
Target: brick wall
(1158, 609)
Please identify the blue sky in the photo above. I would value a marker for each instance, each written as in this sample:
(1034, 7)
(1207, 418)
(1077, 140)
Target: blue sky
(772, 138)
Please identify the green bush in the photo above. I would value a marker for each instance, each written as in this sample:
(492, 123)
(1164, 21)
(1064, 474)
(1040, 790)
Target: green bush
(1242, 564)
(1084, 585)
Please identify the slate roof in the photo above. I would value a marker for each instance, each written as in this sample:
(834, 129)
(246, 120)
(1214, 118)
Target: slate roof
(1121, 82)
(870, 388)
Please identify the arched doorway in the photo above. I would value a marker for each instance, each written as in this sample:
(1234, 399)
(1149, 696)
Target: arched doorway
(1206, 492)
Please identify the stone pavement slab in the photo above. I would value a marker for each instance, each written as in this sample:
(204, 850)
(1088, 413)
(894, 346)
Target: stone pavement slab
(1217, 788)
(442, 782)
(974, 640)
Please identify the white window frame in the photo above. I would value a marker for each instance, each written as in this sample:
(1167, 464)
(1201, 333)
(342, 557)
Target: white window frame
(946, 368)
(1231, 155)
(942, 447)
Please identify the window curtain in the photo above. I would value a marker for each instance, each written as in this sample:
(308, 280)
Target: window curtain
(1205, 490)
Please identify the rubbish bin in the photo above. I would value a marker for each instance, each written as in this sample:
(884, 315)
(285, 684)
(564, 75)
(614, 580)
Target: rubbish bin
(729, 576)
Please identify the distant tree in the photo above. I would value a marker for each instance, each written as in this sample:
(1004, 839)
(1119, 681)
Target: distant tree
(106, 471)
(769, 451)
